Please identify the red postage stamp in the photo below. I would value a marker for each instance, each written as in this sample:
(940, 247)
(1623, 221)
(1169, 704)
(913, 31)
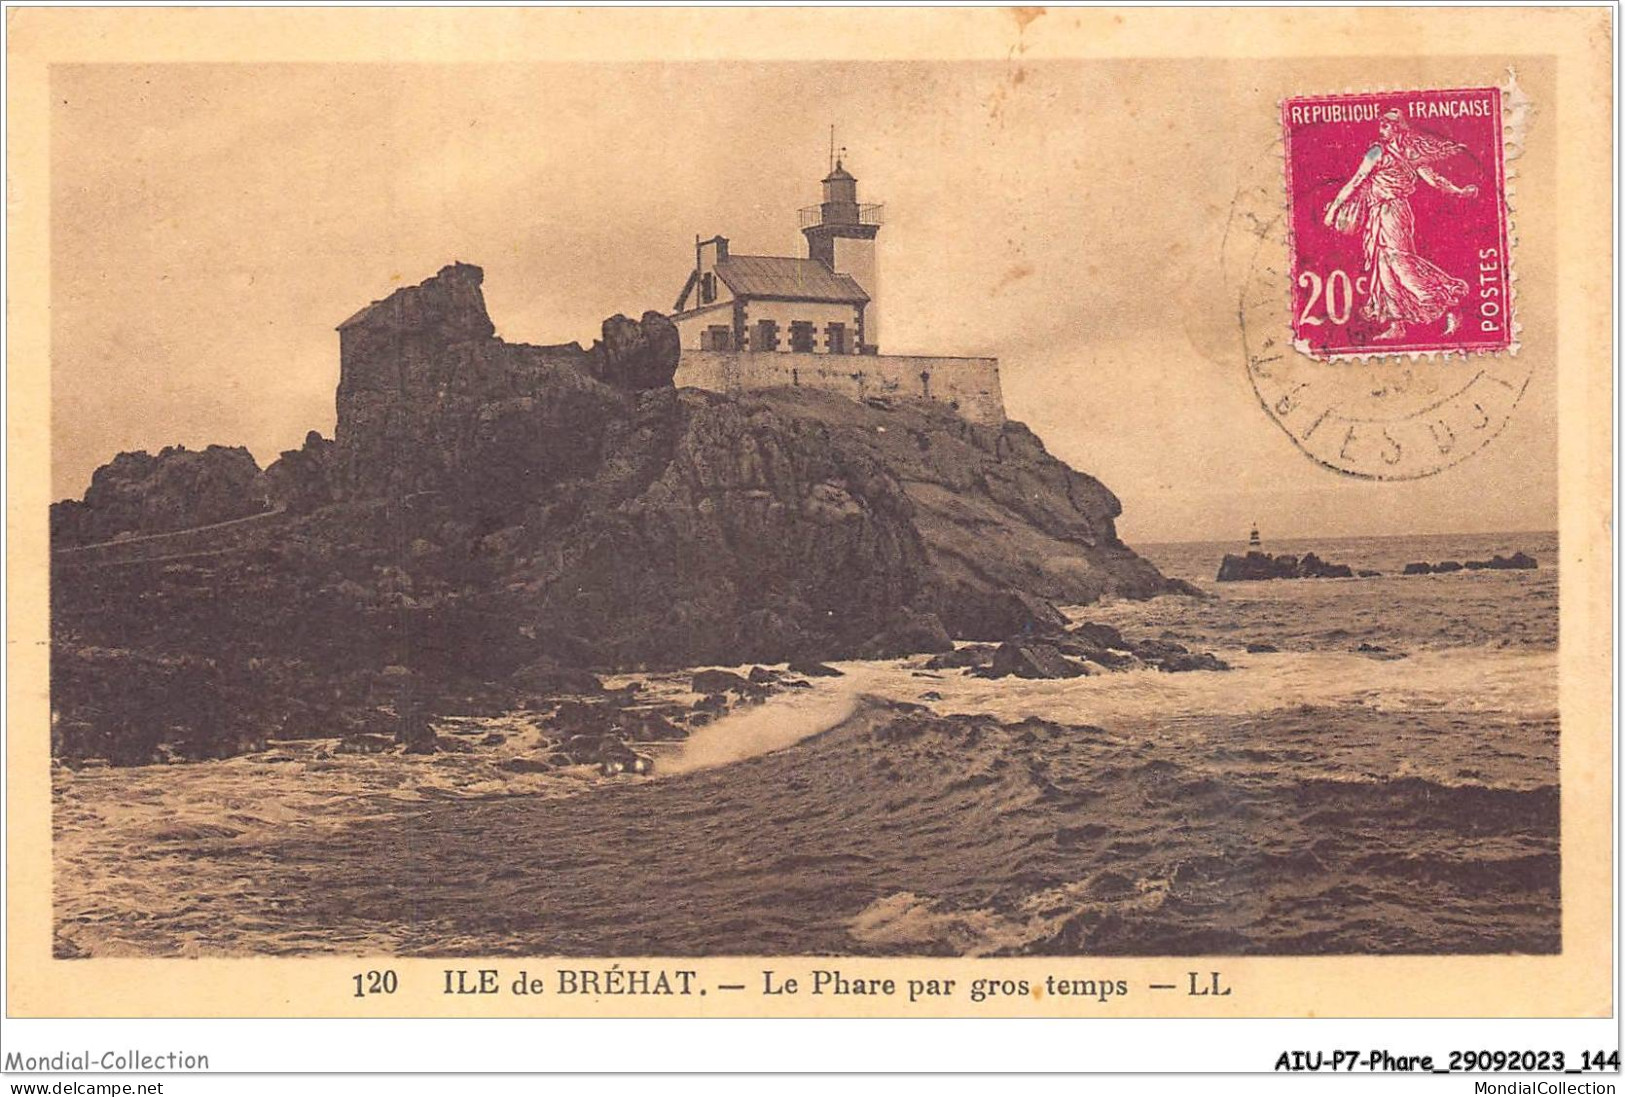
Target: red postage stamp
(1397, 220)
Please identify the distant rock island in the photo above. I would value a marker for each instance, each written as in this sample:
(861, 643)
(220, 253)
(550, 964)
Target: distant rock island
(1257, 565)
(1262, 565)
(488, 508)
(1518, 561)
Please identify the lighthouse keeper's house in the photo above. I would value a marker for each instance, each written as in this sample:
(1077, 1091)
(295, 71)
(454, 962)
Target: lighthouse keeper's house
(761, 321)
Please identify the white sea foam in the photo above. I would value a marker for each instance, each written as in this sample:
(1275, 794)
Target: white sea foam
(786, 718)
(1468, 681)
(761, 729)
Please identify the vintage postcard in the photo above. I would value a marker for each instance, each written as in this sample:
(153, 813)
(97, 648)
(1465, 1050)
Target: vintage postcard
(913, 513)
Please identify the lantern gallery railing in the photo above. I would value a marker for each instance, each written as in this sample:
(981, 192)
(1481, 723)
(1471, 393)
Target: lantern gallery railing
(841, 213)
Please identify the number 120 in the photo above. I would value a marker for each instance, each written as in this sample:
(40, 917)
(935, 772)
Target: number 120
(375, 982)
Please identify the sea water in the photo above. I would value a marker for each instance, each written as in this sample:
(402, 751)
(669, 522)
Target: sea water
(1383, 781)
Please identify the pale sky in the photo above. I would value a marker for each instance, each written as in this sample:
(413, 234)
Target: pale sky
(212, 223)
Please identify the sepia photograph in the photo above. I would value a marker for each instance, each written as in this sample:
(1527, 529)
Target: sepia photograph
(985, 508)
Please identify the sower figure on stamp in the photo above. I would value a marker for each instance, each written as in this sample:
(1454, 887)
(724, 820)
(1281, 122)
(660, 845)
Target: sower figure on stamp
(1404, 288)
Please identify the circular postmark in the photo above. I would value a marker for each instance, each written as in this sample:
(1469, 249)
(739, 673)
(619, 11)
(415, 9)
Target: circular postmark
(1394, 417)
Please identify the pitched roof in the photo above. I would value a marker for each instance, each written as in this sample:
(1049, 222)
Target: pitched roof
(693, 276)
(777, 276)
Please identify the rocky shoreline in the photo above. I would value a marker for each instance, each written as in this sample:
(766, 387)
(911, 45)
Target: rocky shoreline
(582, 720)
(494, 520)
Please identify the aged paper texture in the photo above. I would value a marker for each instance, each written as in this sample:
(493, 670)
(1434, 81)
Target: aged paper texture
(1005, 513)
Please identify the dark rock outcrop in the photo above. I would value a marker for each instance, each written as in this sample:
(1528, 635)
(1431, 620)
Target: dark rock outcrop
(137, 493)
(971, 655)
(994, 613)
(139, 707)
(718, 681)
(430, 400)
(1518, 561)
(1031, 660)
(1179, 662)
(908, 634)
(1098, 635)
(1071, 655)
(636, 355)
(1261, 565)
(794, 523)
(546, 678)
(303, 480)
(812, 669)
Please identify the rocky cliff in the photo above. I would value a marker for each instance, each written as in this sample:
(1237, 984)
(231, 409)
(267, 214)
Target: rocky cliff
(793, 523)
(488, 506)
(138, 493)
(430, 400)
(633, 523)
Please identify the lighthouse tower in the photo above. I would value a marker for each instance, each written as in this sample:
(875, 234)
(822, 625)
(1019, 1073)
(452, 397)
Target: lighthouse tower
(841, 234)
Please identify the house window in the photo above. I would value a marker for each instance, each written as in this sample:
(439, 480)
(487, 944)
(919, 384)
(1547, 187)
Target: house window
(837, 340)
(767, 335)
(716, 337)
(802, 336)
(708, 288)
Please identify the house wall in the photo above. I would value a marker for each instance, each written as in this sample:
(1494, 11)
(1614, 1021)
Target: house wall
(691, 325)
(821, 314)
(970, 385)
